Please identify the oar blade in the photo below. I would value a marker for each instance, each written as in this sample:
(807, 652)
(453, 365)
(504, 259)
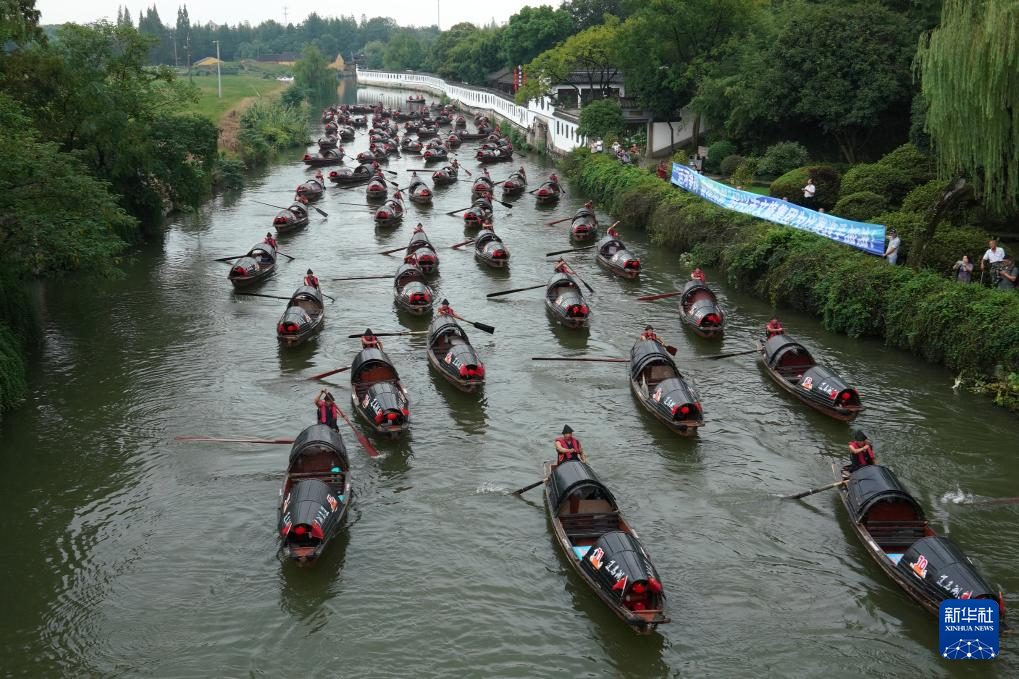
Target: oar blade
(520, 491)
(651, 298)
(232, 439)
(507, 292)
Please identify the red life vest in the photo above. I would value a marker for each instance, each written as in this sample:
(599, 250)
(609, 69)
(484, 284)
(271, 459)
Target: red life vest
(864, 456)
(327, 413)
(311, 280)
(571, 453)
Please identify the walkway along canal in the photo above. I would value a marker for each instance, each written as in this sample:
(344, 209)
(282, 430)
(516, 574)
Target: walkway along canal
(131, 554)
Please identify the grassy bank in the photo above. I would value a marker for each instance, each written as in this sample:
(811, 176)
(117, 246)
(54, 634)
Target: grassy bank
(237, 91)
(968, 328)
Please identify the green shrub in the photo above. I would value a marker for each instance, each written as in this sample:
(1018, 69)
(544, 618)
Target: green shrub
(729, 164)
(781, 158)
(790, 185)
(745, 172)
(717, 152)
(884, 180)
(861, 207)
(229, 173)
(267, 127)
(913, 165)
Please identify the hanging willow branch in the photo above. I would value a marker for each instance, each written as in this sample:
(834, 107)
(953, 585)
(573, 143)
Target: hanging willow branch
(969, 70)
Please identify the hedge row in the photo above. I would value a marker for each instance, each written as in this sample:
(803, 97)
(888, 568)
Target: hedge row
(964, 327)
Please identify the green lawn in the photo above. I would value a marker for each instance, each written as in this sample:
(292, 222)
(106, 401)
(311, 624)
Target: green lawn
(235, 88)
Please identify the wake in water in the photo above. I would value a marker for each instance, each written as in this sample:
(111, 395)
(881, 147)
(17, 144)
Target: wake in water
(491, 487)
(957, 497)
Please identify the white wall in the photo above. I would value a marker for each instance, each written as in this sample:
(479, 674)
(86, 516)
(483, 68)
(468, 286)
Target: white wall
(562, 135)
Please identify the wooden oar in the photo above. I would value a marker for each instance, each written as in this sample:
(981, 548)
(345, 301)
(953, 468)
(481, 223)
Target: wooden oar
(355, 204)
(359, 278)
(574, 272)
(503, 203)
(559, 221)
(286, 255)
(589, 359)
(460, 245)
(325, 374)
(480, 326)
(218, 439)
(369, 448)
(228, 259)
(519, 491)
(563, 252)
(389, 252)
(734, 353)
(258, 294)
(324, 214)
(507, 292)
(460, 210)
(805, 493)
(391, 334)
(651, 298)
(1002, 501)
(469, 173)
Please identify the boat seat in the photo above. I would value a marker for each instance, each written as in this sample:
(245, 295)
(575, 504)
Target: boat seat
(888, 534)
(589, 524)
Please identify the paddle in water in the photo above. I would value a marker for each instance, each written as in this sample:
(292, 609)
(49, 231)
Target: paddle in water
(805, 493)
(325, 374)
(324, 214)
(391, 334)
(389, 252)
(258, 294)
(508, 292)
(460, 245)
(590, 359)
(229, 259)
(360, 278)
(520, 491)
(559, 221)
(563, 252)
(368, 447)
(651, 298)
(733, 353)
(237, 439)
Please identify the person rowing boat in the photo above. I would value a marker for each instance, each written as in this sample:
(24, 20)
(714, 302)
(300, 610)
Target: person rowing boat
(861, 453)
(774, 327)
(649, 334)
(369, 340)
(327, 409)
(569, 448)
(445, 310)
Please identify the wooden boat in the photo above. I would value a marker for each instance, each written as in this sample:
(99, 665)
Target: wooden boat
(427, 131)
(794, 369)
(293, 218)
(346, 133)
(489, 249)
(326, 143)
(410, 145)
(453, 141)
(390, 213)
(435, 154)
(348, 176)
(700, 311)
(661, 389)
(548, 192)
(601, 547)
(611, 253)
(421, 247)
(254, 267)
(366, 157)
(583, 226)
(460, 122)
(315, 494)
(377, 188)
(478, 213)
(451, 354)
(359, 121)
(893, 529)
(415, 99)
(496, 155)
(311, 189)
(331, 127)
(324, 158)
(445, 176)
(411, 291)
(515, 183)
(377, 394)
(303, 317)
(419, 192)
(565, 301)
(482, 184)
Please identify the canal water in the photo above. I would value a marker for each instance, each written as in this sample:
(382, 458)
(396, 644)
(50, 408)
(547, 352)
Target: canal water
(129, 554)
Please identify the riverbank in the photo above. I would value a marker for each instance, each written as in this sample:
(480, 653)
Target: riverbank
(973, 331)
(239, 92)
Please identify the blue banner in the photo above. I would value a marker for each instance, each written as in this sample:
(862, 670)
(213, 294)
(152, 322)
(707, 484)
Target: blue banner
(867, 237)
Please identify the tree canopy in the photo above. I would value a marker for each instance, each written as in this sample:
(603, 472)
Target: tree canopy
(592, 54)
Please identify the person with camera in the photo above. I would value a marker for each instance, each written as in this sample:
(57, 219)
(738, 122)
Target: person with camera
(1007, 274)
(963, 270)
(992, 258)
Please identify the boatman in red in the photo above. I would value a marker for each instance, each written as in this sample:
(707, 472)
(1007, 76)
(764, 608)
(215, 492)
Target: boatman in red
(446, 310)
(301, 198)
(411, 259)
(419, 228)
(697, 274)
(319, 178)
(562, 267)
(311, 279)
(569, 448)
(649, 334)
(270, 241)
(612, 231)
(774, 328)
(369, 340)
(327, 409)
(861, 452)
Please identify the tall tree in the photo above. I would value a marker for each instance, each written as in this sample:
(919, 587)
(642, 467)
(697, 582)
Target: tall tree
(587, 58)
(313, 75)
(969, 69)
(531, 31)
(403, 51)
(19, 21)
(587, 13)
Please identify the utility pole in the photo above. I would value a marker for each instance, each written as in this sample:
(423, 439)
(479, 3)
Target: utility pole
(219, 75)
(285, 21)
(438, 14)
(187, 45)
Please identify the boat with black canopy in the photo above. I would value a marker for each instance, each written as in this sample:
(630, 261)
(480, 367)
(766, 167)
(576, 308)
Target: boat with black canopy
(795, 370)
(293, 218)
(254, 267)
(451, 354)
(515, 184)
(377, 394)
(661, 388)
(489, 249)
(564, 300)
(601, 546)
(348, 176)
(421, 247)
(411, 291)
(892, 527)
(700, 311)
(311, 189)
(615, 258)
(303, 318)
(315, 495)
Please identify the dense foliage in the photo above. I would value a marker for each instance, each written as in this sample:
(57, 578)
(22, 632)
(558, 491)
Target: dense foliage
(602, 119)
(313, 76)
(968, 328)
(267, 126)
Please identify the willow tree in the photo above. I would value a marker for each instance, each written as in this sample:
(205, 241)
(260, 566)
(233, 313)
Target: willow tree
(969, 69)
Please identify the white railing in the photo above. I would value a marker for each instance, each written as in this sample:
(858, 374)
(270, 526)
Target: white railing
(562, 133)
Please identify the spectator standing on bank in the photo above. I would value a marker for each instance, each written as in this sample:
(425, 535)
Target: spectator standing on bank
(808, 193)
(1007, 274)
(963, 270)
(992, 255)
(892, 252)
